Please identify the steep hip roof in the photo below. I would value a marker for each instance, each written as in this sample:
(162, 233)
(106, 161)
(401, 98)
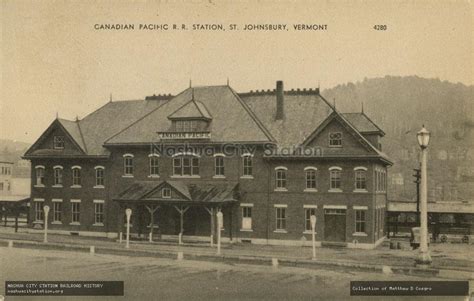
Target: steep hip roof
(232, 121)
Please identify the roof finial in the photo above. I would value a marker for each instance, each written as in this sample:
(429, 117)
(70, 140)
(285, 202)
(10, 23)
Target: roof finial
(192, 94)
(110, 97)
(77, 117)
(190, 83)
(362, 107)
(227, 81)
(319, 84)
(57, 115)
(334, 102)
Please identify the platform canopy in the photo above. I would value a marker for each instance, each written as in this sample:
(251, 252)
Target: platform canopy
(178, 193)
(438, 207)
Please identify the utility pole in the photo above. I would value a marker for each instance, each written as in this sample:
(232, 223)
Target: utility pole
(417, 176)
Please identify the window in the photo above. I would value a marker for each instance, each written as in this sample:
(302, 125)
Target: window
(247, 217)
(58, 142)
(280, 178)
(76, 176)
(219, 165)
(335, 139)
(57, 211)
(360, 221)
(307, 218)
(166, 193)
(99, 176)
(154, 169)
(39, 214)
(1, 185)
(58, 175)
(280, 218)
(39, 175)
(360, 178)
(247, 162)
(128, 165)
(76, 211)
(310, 178)
(335, 178)
(185, 125)
(186, 166)
(98, 212)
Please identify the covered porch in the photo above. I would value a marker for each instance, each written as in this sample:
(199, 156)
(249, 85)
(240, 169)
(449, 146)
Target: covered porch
(177, 211)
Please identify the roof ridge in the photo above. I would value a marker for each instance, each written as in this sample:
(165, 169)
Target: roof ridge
(141, 118)
(373, 123)
(253, 115)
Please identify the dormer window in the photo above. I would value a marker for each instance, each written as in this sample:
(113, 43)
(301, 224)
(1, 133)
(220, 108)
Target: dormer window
(58, 142)
(186, 126)
(335, 139)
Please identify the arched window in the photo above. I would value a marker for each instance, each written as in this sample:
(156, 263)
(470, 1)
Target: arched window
(99, 176)
(154, 165)
(39, 170)
(360, 178)
(219, 165)
(128, 165)
(76, 176)
(58, 175)
(186, 165)
(280, 177)
(247, 165)
(310, 173)
(335, 178)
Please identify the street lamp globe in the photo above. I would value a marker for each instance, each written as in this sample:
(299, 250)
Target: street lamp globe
(423, 137)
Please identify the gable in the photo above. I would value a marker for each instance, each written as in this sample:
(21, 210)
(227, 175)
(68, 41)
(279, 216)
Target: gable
(44, 146)
(175, 192)
(351, 142)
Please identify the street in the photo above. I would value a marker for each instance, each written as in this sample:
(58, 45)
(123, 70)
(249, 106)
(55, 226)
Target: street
(164, 279)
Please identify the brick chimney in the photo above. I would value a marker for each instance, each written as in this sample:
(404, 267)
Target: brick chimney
(280, 102)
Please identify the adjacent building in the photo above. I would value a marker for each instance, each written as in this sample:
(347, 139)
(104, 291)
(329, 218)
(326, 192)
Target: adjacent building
(267, 160)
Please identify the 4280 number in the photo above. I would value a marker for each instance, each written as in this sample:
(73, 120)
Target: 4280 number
(380, 27)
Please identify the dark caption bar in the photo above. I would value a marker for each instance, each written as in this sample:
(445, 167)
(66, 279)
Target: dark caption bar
(64, 288)
(409, 288)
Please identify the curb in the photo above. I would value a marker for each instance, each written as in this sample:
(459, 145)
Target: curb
(242, 259)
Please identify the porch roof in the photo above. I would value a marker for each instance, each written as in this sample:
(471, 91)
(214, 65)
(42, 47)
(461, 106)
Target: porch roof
(188, 193)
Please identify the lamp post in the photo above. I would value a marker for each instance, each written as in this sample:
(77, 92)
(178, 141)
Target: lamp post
(423, 139)
(46, 211)
(313, 234)
(128, 213)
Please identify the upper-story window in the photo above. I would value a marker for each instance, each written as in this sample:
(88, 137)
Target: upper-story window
(360, 178)
(247, 165)
(219, 165)
(154, 167)
(58, 175)
(310, 173)
(335, 178)
(185, 165)
(335, 139)
(39, 175)
(58, 142)
(185, 125)
(99, 176)
(380, 180)
(166, 193)
(76, 176)
(280, 178)
(128, 165)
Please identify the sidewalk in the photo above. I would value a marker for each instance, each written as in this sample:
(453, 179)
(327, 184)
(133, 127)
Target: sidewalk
(452, 257)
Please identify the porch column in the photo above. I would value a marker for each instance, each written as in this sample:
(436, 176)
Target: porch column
(230, 222)
(181, 211)
(152, 209)
(120, 222)
(212, 214)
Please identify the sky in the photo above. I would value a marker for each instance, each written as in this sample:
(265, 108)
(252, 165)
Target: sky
(54, 61)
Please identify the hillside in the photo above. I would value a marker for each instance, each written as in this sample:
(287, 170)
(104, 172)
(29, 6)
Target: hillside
(11, 151)
(400, 105)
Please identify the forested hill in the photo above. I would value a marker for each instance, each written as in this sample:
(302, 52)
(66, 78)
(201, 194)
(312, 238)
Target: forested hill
(400, 105)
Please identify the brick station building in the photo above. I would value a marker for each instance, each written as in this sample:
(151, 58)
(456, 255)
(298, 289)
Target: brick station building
(267, 159)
